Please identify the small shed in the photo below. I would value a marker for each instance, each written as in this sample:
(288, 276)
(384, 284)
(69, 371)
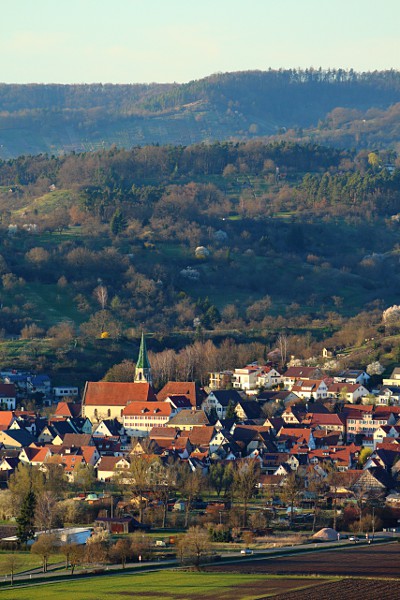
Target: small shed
(119, 524)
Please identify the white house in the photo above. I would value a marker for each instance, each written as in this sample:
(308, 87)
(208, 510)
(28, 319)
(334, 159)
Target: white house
(246, 378)
(64, 391)
(311, 388)
(8, 396)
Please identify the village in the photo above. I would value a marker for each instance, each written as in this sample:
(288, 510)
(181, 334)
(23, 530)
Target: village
(315, 443)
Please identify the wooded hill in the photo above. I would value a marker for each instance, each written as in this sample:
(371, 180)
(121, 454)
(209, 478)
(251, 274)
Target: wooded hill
(232, 106)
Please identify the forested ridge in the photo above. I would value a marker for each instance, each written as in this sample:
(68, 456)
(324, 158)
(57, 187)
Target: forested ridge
(223, 240)
(54, 118)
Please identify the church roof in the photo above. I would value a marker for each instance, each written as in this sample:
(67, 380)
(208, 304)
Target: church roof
(143, 360)
(108, 393)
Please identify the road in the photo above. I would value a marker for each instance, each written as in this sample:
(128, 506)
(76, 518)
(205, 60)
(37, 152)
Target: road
(58, 572)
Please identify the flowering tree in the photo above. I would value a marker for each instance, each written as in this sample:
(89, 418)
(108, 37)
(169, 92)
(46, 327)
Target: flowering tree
(391, 318)
(375, 368)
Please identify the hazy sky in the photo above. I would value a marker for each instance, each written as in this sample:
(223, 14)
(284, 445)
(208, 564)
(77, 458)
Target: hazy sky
(131, 41)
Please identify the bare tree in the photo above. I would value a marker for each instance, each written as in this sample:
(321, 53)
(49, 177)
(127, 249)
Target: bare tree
(245, 479)
(44, 547)
(194, 546)
(292, 490)
(101, 295)
(74, 555)
(11, 564)
(122, 550)
(282, 342)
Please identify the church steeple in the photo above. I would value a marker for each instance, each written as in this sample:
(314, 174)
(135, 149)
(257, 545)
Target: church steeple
(143, 368)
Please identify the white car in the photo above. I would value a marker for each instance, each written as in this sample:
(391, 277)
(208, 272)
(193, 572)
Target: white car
(353, 538)
(246, 551)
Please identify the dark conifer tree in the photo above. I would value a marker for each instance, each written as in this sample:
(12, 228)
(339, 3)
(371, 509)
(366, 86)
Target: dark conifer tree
(26, 518)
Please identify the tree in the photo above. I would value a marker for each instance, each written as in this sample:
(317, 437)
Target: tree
(292, 490)
(124, 371)
(375, 368)
(74, 555)
(334, 479)
(118, 223)
(45, 511)
(221, 477)
(141, 477)
(85, 477)
(26, 518)
(194, 546)
(101, 295)
(189, 484)
(140, 545)
(164, 485)
(245, 479)
(282, 342)
(122, 550)
(316, 485)
(44, 547)
(11, 564)
(365, 453)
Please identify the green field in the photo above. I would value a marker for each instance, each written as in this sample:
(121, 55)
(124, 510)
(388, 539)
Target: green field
(27, 561)
(166, 585)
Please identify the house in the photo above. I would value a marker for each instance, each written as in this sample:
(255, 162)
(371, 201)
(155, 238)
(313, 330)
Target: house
(349, 392)
(294, 414)
(7, 418)
(385, 431)
(189, 389)
(67, 410)
(246, 378)
(220, 380)
(8, 396)
(310, 388)
(328, 422)
(247, 410)
(296, 436)
(268, 378)
(375, 479)
(39, 384)
(292, 374)
(110, 466)
(15, 438)
(394, 379)
(8, 464)
(389, 395)
(108, 428)
(186, 420)
(64, 392)
(77, 440)
(352, 376)
(107, 400)
(140, 417)
(218, 402)
(365, 420)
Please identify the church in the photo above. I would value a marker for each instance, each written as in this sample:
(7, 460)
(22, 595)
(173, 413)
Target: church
(107, 400)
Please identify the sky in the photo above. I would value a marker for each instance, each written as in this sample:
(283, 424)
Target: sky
(144, 41)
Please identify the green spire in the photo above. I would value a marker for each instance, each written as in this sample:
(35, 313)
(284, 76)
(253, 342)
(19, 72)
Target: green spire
(143, 359)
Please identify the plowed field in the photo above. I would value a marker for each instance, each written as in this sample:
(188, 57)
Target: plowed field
(358, 561)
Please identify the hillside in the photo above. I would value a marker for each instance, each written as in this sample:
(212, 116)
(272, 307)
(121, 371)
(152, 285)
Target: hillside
(233, 106)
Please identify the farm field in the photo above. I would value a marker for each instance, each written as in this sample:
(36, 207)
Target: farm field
(169, 586)
(347, 589)
(365, 561)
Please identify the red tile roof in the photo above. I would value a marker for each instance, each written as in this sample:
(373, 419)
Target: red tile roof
(107, 393)
(6, 416)
(148, 408)
(68, 409)
(179, 388)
